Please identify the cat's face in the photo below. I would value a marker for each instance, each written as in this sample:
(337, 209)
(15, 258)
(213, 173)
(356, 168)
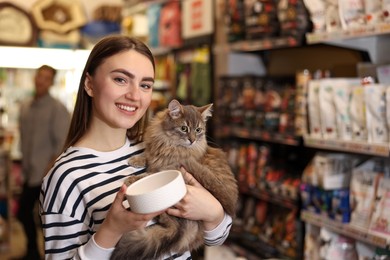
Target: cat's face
(188, 130)
(186, 125)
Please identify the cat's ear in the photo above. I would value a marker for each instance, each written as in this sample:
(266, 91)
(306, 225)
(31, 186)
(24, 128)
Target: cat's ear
(206, 111)
(175, 109)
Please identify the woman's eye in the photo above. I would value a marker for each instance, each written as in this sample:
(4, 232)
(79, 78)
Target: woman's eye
(146, 86)
(184, 128)
(120, 80)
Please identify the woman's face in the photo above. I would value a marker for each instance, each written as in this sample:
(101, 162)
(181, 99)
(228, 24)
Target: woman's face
(121, 89)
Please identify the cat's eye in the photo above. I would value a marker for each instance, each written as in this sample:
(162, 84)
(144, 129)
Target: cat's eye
(184, 128)
(198, 130)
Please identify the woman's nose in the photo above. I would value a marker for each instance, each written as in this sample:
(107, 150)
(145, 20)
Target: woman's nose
(133, 93)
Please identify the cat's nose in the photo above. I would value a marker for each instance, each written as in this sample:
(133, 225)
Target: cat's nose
(192, 139)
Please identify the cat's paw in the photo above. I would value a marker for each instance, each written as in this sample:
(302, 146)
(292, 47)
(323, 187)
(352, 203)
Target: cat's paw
(134, 178)
(137, 161)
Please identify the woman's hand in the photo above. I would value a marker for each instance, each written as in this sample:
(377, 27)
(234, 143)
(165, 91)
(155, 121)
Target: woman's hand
(198, 204)
(119, 220)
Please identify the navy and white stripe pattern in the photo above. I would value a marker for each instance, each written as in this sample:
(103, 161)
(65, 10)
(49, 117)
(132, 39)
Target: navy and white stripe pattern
(77, 193)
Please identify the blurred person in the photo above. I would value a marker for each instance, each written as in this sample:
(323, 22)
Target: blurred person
(43, 125)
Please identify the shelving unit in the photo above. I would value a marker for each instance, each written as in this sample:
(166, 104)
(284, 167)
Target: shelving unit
(375, 149)
(287, 52)
(375, 41)
(5, 200)
(374, 30)
(259, 135)
(344, 229)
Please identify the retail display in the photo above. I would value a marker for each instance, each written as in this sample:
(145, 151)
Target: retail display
(307, 136)
(17, 26)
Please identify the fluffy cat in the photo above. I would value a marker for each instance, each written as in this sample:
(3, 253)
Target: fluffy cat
(176, 137)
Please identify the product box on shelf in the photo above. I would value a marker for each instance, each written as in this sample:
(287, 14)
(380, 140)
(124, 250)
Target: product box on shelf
(380, 221)
(364, 185)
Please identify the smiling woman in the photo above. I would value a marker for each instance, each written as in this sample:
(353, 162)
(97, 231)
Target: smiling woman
(81, 197)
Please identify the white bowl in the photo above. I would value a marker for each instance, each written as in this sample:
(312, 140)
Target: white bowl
(156, 192)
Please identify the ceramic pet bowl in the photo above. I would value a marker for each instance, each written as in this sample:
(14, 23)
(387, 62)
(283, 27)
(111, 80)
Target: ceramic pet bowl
(156, 192)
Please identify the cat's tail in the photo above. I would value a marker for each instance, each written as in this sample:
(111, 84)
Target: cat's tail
(170, 235)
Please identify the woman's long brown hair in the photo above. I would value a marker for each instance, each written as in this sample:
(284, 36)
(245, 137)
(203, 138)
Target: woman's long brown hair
(82, 113)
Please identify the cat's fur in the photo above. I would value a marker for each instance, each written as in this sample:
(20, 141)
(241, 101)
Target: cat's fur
(169, 146)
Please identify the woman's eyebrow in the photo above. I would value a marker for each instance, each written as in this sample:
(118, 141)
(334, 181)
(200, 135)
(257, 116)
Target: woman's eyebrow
(131, 75)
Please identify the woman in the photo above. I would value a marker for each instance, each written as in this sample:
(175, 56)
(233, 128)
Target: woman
(81, 207)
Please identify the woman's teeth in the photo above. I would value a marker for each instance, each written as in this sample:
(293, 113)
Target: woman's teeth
(127, 108)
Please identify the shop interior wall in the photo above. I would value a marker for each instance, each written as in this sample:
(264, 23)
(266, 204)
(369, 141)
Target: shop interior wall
(89, 5)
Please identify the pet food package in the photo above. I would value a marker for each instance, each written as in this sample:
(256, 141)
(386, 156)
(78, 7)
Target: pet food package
(341, 97)
(363, 189)
(340, 209)
(373, 11)
(316, 9)
(387, 95)
(312, 242)
(385, 10)
(357, 112)
(380, 219)
(260, 19)
(235, 20)
(365, 251)
(351, 14)
(332, 170)
(302, 79)
(332, 17)
(383, 74)
(170, 25)
(326, 238)
(313, 107)
(153, 15)
(327, 109)
(294, 18)
(342, 247)
(375, 99)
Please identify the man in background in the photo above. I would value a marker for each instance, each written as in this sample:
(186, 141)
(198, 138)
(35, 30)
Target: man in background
(43, 123)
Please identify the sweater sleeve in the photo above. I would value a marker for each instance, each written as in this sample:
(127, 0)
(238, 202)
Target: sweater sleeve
(68, 238)
(218, 235)
(93, 251)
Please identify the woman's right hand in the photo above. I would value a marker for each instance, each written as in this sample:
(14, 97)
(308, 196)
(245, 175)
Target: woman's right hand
(119, 220)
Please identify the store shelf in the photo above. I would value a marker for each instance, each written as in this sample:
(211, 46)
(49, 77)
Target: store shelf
(375, 149)
(372, 39)
(259, 247)
(258, 45)
(131, 8)
(366, 31)
(344, 229)
(259, 135)
(160, 51)
(277, 199)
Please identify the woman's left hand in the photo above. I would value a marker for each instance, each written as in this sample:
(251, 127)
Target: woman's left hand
(198, 204)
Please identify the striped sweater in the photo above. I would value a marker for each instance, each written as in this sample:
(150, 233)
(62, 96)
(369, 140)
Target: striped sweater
(76, 195)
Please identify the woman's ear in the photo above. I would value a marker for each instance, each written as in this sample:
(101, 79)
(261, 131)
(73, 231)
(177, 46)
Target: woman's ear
(88, 85)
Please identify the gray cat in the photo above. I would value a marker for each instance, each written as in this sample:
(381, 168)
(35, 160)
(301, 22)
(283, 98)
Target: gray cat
(177, 137)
